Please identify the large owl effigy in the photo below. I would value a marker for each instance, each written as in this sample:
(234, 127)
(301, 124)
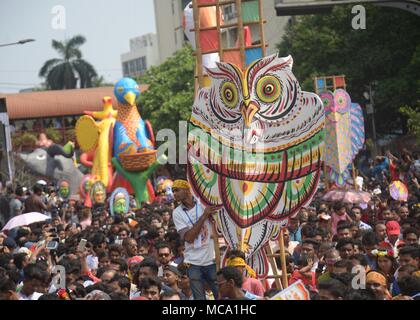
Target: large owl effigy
(255, 146)
(345, 134)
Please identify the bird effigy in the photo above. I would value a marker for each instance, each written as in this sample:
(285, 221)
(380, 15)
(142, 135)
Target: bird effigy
(255, 146)
(345, 134)
(255, 141)
(118, 144)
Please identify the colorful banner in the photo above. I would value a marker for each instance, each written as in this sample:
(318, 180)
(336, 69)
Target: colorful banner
(296, 291)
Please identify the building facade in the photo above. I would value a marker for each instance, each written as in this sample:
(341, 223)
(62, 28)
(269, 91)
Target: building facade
(143, 54)
(170, 34)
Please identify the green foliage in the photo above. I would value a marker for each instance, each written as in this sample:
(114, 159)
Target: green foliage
(53, 134)
(63, 73)
(27, 139)
(386, 53)
(170, 96)
(413, 122)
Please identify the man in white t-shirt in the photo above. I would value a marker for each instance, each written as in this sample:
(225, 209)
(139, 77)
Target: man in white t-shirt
(192, 223)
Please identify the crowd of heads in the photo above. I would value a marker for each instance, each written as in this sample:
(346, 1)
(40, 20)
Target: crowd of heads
(139, 255)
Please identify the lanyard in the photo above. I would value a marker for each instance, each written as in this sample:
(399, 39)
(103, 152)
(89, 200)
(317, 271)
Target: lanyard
(196, 214)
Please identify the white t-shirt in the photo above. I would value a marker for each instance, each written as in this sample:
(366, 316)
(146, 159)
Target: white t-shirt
(201, 252)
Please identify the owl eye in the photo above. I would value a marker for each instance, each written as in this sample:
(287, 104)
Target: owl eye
(342, 101)
(229, 95)
(268, 89)
(120, 89)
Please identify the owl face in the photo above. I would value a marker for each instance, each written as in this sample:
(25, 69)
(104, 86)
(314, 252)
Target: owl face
(336, 104)
(264, 104)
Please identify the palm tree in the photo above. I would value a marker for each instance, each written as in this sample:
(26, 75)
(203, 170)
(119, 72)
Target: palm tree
(63, 73)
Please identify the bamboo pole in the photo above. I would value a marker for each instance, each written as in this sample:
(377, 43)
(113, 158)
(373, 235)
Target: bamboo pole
(215, 237)
(199, 64)
(273, 264)
(354, 177)
(283, 260)
(241, 33)
(262, 33)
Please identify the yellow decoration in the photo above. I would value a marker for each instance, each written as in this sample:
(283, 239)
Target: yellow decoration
(93, 135)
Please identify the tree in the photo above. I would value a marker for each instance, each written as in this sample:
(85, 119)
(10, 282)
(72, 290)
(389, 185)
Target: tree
(386, 53)
(170, 96)
(63, 73)
(413, 119)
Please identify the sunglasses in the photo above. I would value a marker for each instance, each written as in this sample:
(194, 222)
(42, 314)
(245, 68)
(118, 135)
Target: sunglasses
(164, 255)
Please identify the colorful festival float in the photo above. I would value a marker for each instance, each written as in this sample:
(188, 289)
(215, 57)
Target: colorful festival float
(118, 146)
(255, 142)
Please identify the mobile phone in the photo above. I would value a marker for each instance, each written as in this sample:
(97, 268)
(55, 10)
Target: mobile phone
(52, 245)
(82, 245)
(52, 230)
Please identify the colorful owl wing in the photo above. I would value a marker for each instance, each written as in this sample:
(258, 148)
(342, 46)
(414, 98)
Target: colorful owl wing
(87, 133)
(357, 127)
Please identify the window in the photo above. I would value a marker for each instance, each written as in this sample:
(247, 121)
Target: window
(125, 69)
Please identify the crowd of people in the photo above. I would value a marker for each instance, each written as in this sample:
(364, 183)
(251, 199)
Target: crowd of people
(165, 250)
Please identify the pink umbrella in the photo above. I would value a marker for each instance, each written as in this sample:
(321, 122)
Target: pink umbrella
(398, 191)
(24, 220)
(348, 196)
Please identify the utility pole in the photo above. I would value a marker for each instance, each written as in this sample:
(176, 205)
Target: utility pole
(370, 109)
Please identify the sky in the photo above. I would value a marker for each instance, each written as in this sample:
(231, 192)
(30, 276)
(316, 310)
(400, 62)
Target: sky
(106, 25)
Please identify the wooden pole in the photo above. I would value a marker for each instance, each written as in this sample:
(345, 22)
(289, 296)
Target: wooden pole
(354, 177)
(215, 237)
(262, 33)
(241, 36)
(199, 64)
(273, 264)
(283, 260)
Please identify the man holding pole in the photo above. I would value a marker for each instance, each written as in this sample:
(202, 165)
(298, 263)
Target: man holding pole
(192, 223)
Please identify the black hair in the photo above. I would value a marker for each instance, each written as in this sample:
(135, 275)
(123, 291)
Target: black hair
(410, 230)
(121, 263)
(409, 285)
(49, 296)
(235, 254)
(7, 284)
(345, 263)
(313, 242)
(359, 294)
(162, 245)
(308, 231)
(118, 296)
(342, 242)
(370, 238)
(18, 260)
(343, 226)
(335, 287)
(150, 263)
(231, 273)
(414, 252)
(361, 258)
(148, 282)
(35, 272)
(169, 293)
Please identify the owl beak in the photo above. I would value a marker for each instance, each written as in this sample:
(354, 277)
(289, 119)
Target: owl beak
(130, 97)
(249, 109)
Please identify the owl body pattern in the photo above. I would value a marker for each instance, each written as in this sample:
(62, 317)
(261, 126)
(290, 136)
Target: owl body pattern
(130, 131)
(255, 145)
(345, 134)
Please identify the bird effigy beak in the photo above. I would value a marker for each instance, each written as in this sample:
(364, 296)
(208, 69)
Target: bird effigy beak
(249, 109)
(130, 97)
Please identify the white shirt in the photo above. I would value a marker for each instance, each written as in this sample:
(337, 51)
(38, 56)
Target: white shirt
(160, 271)
(201, 252)
(33, 296)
